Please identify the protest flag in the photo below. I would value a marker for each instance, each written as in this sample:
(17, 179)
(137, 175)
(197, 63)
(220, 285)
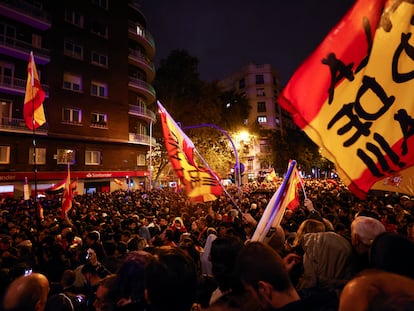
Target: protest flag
(34, 115)
(67, 196)
(284, 196)
(353, 97)
(199, 183)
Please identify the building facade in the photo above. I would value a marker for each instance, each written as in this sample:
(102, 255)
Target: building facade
(260, 85)
(95, 63)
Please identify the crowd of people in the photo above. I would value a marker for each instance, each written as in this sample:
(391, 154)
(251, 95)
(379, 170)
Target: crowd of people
(156, 250)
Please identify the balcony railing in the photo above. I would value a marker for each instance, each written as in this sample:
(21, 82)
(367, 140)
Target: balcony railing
(138, 30)
(135, 5)
(15, 47)
(26, 12)
(137, 56)
(18, 125)
(16, 86)
(142, 112)
(141, 139)
(144, 86)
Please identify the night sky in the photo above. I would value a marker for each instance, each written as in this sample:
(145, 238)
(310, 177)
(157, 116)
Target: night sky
(227, 34)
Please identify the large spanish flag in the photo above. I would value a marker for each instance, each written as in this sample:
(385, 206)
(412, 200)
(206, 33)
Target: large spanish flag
(199, 183)
(34, 115)
(354, 96)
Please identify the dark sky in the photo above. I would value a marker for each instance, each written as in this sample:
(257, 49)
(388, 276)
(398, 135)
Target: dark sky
(227, 34)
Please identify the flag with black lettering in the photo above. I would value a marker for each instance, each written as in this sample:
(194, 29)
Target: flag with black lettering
(354, 96)
(198, 183)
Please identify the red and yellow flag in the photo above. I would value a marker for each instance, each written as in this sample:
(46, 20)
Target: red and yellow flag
(199, 184)
(354, 96)
(34, 115)
(67, 196)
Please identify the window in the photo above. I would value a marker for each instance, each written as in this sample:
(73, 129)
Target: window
(262, 119)
(40, 155)
(72, 82)
(141, 160)
(261, 107)
(72, 116)
(4, 154)
(73, 50)
(277, 120)
(92, 157)
(260, 92)
(65, 156)
(8, 33)
(242, 84)
(99, 89)
(99, 120)
(99, 59)
(101, 3)
(36, 41)
(99, 29)
(74, 18)
(259, 79)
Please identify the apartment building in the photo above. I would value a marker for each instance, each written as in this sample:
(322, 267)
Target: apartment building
(95, 63)
(260, 85)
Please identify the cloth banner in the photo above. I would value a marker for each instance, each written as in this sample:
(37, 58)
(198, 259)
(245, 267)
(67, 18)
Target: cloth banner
(354, 97)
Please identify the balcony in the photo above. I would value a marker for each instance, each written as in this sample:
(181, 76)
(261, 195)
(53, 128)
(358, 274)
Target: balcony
(141, 139)
(138, 33)
(136, 58)
(142, 112)
(21, 50)
(142, 87)
(134, 4)
(18, 125)
(16, 86)
(26, 13)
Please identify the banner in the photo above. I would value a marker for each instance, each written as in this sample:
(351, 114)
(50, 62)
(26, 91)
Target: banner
(34, 115)
(354, 96)
(198, 183)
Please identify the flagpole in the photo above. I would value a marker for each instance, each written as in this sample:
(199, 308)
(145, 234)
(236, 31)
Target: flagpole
(218, 181)
(236, 155)
(34, 139)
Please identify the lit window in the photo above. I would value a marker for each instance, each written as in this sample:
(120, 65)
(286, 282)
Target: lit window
(262, 119)
(73, 50)
(65, 156)
(72, 82)
(99, 59)
(99, 89)
(4, 154)
(40, 156)
(92, 157)
(99, 120)
(260, 92)
(72, 116)
(277, 121)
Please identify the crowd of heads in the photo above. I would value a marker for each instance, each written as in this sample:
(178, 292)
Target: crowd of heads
(156, 250)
